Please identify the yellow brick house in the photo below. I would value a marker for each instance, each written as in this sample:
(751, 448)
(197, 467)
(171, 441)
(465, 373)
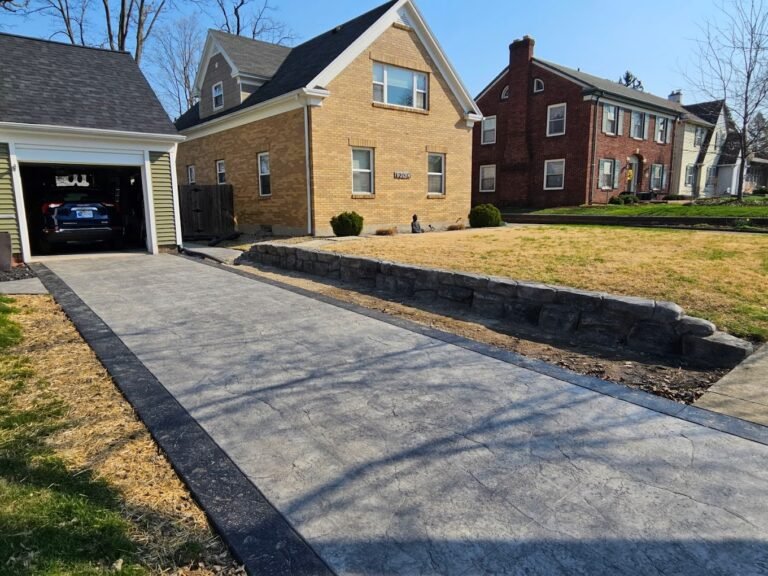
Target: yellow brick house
(369, 116)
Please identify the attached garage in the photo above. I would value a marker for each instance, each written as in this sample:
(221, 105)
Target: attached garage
(87, 153)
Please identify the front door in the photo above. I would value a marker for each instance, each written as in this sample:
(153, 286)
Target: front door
(633, 170)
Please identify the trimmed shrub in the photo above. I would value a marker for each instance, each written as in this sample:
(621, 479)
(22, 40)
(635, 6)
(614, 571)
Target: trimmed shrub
(629, 198)
(484, 216)
(616, 200)
(676, 197)
(347, 224)
(386, 231)
(760, 191)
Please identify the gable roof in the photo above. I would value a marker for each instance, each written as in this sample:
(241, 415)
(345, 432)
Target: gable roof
(252, 57)
(708, 111)
(51, 83)
(311, 65)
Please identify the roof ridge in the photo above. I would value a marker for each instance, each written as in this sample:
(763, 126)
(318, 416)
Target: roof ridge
(247, 39)
(67, 44)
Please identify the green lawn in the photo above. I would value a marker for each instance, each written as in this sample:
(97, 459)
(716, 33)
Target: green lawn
(754, 207)
(52, 522)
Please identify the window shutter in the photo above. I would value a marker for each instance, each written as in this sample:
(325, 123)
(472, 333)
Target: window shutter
(605, 121)
(616, 173)
(620, 128)
(670, 125)
(646, 122)
(663, 178)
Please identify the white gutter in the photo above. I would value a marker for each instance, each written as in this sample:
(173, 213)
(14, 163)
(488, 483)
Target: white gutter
(77, 131)
(306, 162)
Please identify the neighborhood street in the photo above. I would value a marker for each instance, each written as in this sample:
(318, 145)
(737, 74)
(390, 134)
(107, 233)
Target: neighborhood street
(391, 452)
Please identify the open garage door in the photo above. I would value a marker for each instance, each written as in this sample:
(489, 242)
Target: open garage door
(82, 208)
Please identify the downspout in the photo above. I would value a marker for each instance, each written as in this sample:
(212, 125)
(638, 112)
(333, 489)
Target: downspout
(308, 168)
(594, 149)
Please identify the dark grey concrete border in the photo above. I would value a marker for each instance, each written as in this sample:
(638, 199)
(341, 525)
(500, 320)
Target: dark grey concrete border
(713, 420)
(256, 533)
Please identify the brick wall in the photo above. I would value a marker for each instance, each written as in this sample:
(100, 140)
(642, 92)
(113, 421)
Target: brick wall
(401, 140)
(522, 145)
(218, 71)
(283, 137)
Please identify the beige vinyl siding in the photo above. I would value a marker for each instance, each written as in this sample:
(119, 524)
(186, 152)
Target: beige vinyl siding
(162, 192)
(7, 199)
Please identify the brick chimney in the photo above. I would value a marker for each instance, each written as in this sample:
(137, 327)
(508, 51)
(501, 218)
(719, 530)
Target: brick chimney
(517, 151)
(676, 96)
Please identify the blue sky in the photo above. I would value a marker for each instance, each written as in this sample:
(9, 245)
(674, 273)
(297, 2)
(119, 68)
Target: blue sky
(601, 37)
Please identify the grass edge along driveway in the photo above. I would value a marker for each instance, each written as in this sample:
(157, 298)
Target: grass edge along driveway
(715, 275)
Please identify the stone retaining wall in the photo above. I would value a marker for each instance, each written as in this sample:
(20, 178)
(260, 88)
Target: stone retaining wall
(640, 324)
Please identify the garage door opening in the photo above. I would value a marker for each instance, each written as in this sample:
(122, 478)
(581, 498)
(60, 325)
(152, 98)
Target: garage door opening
(72, 208)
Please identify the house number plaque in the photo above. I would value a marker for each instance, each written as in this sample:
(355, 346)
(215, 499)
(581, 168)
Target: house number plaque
(402, 175)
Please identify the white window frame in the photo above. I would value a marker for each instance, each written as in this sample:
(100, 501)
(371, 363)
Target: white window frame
(480, 183)
(221, 169)
(483, 141)
(698, 136)
(213, 95)
(653, 177)
(261, 174)
(546, 164)
(191, 176)
(711, 175)
(505, 93)
(661, 135)
(641, 125)
(615, 119)
(690, 171)
(415, 90)
(550, 108)
(538, 85)
(372, 170)
(441, 174)
(601, 165)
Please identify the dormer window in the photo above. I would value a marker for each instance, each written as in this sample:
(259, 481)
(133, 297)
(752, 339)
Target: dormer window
(399, 86)
(505, 93)
(217, 92)
(538, 85)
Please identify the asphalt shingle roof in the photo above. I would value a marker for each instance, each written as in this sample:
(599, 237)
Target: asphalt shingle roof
(44, 82)
(708, 111)
(301, 65)
(252, 56)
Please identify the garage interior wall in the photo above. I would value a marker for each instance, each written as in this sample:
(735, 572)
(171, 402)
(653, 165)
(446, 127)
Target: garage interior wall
(8, 215)
(162, 198)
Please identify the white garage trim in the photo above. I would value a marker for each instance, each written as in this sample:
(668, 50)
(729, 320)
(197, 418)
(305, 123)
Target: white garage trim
(176, 207)
(21, 211)
(77, 155)
(149, 205)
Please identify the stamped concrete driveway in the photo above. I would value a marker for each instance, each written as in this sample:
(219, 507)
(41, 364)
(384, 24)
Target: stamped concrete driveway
(395, 453)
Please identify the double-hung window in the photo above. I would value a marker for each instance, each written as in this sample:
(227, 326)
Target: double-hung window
(488, 178)
(690, 175)
(221, 172)
(662, 129)
(265, 179)
(488, 130)
(610, 119)
(657, 176)
(556, 120)
(400, 86)
(637, 127)
(191, 174)
(608, 180)
(711, 175)
(436, 174)
(217, 93)
(698, 138)
(362, 171)
(554, 174)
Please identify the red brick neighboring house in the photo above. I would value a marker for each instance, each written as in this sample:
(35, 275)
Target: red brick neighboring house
(554, 136)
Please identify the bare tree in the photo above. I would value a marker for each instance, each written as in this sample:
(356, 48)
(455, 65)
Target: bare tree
(13, 6)
(733, 65)
(253, 18)
(120, 24)
(175, 60)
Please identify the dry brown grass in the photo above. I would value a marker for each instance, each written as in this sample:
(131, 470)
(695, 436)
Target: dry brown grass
(103, 436)
(716, 275)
